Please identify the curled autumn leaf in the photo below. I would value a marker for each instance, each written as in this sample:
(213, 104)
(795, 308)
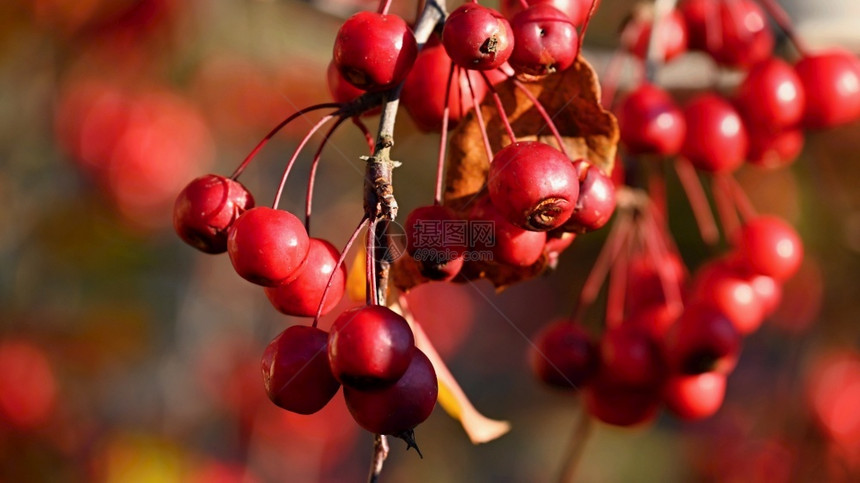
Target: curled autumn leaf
(572, 100)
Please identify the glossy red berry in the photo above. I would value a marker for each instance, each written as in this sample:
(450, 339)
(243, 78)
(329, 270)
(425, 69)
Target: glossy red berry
(576, 10)
(477, 37)
(651, 122)
(546, 40)
(508, 244)
(436, 238)
(771, 97)
(631, 357)
(774, 150)
(725, 289)
(205, 210)
(768, 291)
(301, 296)
(831, 83)
(703, 340)
(716, 139)
(671, 37)
(267, 246)
(734, 33)
(695, 397)
(533, 185)
(374, 51)
(296, 372)
(369, 346)
(564, 355)
(399, 407)
(767, 245)
(596, 201)
(423, 94)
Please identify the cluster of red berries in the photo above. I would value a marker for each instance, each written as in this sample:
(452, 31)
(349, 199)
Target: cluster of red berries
(762, 122)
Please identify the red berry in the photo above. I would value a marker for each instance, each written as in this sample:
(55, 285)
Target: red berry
(703, 340)
(423, 94)
(205, 210)
(564, 355)
(621, 404)
(296, 373)
(650, 122)
(728, 291)
(28, 385)
(576, 10)
(768, 291)
(374, 51)
(695, 397)
(774, 150)
(397, 408)
(644, 286)
(833, 393)
(436, 239)
(767, 245)
(477, 37)
(301, 296)
(716, 139)
(655, 319)
(631, 357)
(831, 83)
(596, 201)
(671, 38)
(771, 97)
(734, 33)
(267, 246)
(369, 346)
(533, 185)
(546, 40)
(509, 244)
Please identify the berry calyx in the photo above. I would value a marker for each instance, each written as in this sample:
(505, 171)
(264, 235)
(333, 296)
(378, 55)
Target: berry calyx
(206, 208)
(296, 372)
(546, 41)
(399, 407)
(369, 346)
(477, 37)
(301, 296)
(716, 139)
(564, 355)
(267, 246)
(374, 51)
(533, 185)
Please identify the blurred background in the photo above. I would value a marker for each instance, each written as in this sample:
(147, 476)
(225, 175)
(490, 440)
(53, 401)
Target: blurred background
(127, 356)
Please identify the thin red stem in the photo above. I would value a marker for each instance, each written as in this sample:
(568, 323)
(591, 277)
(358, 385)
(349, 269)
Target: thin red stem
(313, 173)
(698, 201)
(617, 284)
(499, 107)
(274, 131)
(713, 26)
(340, 261)
(540, 109)
(782, 19)
(743, 203)
(725, 205)
(384, 5)
(371, 144)
(370, 262)
(443, 138)
(658, 253)
(524, 4)
(613, 244)
(480, 116)
(295, 156)
(591, 11)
